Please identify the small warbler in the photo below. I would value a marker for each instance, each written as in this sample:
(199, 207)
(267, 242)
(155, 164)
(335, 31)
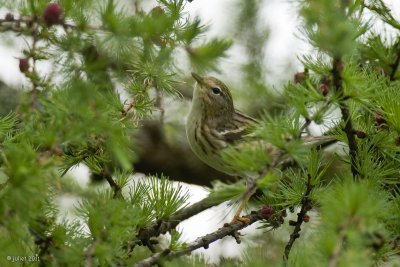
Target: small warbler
(214, 124)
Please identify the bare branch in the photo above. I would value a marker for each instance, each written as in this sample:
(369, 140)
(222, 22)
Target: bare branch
(334, 258)
(158, 104)
(348, 127)
(305, 207)
(129, 107)
(116, 188)
(308, 121)
(15, 24)
(204, 241)
(162, 227)
(89, 255)
(395, 64)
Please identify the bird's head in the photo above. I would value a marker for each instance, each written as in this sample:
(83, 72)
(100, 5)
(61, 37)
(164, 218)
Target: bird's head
(212, 96)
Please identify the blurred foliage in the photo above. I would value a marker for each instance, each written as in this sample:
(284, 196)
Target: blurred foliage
(252, 35)
(9, 99)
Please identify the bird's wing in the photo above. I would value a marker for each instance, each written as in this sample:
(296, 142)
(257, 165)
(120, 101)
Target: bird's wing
(237, 128)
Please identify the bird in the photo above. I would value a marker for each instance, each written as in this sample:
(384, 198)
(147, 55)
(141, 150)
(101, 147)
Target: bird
(215, 125)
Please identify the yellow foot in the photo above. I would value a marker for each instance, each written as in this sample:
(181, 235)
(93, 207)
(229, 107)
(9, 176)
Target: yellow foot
(238, 218)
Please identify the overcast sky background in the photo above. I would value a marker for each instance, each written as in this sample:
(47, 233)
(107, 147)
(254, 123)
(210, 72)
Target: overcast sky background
(283, 49)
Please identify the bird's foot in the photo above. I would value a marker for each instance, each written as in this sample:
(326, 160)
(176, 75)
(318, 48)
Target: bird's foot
(238, 218)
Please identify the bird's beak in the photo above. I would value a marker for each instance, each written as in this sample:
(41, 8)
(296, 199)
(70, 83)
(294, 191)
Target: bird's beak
(198, 78)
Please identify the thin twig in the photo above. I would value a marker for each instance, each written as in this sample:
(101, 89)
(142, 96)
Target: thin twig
(378, 11)
(158, 104)
(116, 188)
(309, 120)
(29, 20)
(89, 255)
(45, 245)
(305, 207)
(153, 259)
(204, 241)
(348, 127)
(162, 227)
(43, 241)
(154, 251)
(304, 126)
(35, 40)
(334, 258)
(129, 107)
(395, 64)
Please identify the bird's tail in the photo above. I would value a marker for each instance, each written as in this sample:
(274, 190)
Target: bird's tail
(319, 141)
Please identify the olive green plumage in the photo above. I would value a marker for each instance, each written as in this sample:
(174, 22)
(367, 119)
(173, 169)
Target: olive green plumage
(214, 124)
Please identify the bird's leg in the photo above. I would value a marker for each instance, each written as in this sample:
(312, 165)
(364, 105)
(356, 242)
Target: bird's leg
(251, 189)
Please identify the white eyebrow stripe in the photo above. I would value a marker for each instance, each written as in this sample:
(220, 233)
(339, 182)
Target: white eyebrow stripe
(240, 129)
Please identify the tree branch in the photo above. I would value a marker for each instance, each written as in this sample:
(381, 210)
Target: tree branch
(348, 127)
(305, 207)
(334, 258)
(313, 117)
(128, 108)
(395, 64)
(162, 227)
(189, 169)
(389, 20)
(204, 241)
(153, 250)
(115, 187)
(14, 24)
(158, 103)
(89, 255)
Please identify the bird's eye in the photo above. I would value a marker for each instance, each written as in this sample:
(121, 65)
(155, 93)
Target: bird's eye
(216, 90)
